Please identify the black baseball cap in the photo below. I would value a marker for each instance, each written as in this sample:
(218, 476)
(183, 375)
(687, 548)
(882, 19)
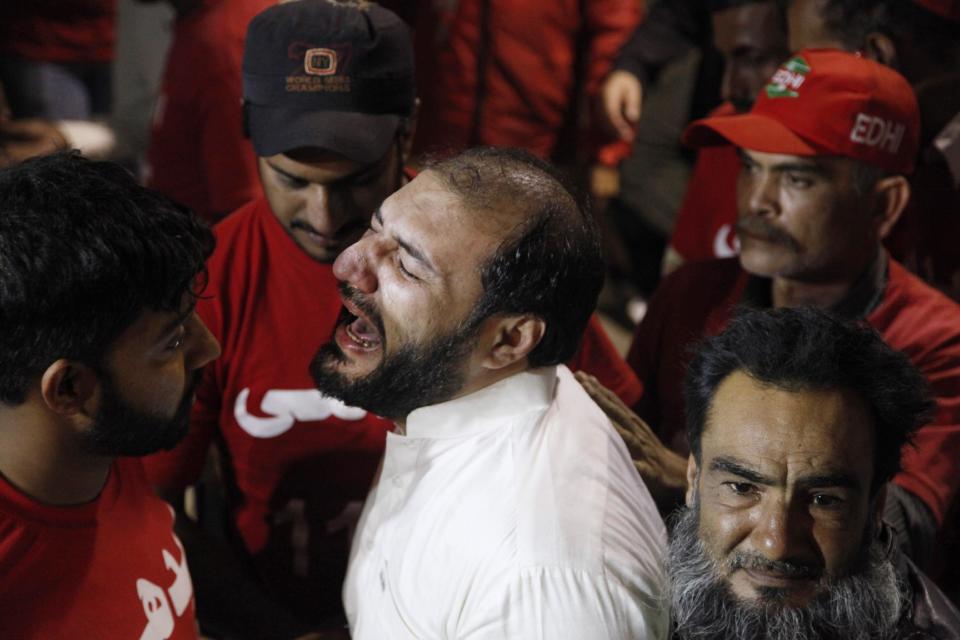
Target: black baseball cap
(327, 74)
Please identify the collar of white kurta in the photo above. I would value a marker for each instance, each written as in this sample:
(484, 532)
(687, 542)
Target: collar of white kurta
(487, 408)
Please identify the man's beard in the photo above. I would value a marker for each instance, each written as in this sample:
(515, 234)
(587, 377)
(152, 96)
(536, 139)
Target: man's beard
(417, 375)
(120, 429)
(863, 605)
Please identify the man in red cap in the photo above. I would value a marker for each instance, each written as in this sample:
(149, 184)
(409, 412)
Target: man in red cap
(824, 152)
(921, 39)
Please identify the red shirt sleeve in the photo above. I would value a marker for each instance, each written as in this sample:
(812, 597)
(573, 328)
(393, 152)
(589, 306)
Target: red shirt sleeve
(598, 357)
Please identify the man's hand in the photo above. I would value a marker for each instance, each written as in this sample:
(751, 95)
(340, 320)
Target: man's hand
(622, 97)
(664, 471)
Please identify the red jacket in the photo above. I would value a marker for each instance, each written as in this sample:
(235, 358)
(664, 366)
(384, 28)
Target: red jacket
(512, 72)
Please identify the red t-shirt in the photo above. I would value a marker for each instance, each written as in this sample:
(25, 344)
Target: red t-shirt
(59, 30)
(198, 153)
(299, 464)
(110, 568)
(704, 227)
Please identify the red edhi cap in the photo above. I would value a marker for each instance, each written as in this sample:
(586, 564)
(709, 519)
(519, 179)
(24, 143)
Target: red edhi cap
(825, 102)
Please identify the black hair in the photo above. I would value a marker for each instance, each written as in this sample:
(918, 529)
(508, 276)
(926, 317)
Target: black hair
(851, 21)
(551, 263)
(805, 348)
(84, 251)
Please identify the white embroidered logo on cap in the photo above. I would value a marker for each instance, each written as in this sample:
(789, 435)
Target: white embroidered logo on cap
(877, 132)
(320, 62)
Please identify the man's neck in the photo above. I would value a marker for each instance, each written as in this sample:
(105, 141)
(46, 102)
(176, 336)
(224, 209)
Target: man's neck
(854, 296)
(43, 461)
(487, 378)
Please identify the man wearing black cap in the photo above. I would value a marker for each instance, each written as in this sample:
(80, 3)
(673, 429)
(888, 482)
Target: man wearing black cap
(329, 97)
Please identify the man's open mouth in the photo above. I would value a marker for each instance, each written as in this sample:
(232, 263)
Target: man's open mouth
(359, 329)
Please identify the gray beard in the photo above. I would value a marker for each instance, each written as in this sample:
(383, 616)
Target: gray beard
(864, 605)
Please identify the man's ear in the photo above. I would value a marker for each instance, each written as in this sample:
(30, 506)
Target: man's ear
(692, 473)
(893, 194)
(878, 46)
(511, 339)
(70, 388)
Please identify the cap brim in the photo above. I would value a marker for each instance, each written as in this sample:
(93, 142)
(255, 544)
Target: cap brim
(361, 137)
(749, 131)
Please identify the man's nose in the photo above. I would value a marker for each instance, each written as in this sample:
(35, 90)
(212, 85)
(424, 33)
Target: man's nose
(782, 531)
(318, 209)
(203, 346)
(732, 83)
(356, 265)
(758, 191)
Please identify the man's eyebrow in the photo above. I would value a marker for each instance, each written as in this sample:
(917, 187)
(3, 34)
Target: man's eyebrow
(360, 172)
(801, 167)
(413, 251)
(738, 468)
(284, 173)
(172, 326)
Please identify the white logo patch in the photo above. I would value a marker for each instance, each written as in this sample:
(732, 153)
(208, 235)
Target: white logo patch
(320, 62)
(877, 132)
(285, 407)
(156, 604)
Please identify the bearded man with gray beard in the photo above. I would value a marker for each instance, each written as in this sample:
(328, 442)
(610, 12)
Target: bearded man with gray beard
(796, 422)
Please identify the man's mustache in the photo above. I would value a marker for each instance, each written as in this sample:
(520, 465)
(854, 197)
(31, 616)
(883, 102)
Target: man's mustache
(784, 568)
(761, 228)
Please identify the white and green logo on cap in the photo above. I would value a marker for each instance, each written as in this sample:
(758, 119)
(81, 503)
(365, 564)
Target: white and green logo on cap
(788, 79)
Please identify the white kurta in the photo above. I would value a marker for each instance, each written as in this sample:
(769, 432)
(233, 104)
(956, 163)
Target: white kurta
(514, 512)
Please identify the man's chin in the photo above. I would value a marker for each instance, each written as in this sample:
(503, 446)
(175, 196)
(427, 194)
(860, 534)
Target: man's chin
(763, 261)
(334, 372)
(760, 589)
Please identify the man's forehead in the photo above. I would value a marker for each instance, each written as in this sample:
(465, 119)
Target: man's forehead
(426, 211)
(755, 24)
(823, 163)
(750, 420)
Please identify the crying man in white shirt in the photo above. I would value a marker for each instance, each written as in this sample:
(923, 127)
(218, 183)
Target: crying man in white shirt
(507, 505)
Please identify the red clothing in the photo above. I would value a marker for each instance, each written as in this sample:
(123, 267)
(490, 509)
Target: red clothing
(505, 73)
(59, 30)
(299, 464)
(912, 317)
(704, 227)
(110, 568)
(198, 152)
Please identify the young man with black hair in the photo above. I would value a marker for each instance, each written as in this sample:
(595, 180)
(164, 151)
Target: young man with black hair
(329, 102)
(506, 505)
(100, 354)
(796, 422)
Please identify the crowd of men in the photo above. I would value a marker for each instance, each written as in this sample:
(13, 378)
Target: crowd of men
(374, 400)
